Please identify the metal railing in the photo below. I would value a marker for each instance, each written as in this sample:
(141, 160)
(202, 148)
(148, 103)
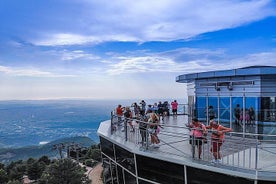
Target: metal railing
(239, 150)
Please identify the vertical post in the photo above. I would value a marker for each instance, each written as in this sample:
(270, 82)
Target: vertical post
(125, 128)
(231, 114)
(111, 121)
(218, 116)
(207, 110)
(256, 156)
(243, 115)
(193, 146)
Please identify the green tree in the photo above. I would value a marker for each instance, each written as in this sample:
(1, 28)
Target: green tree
(94, 153)
(14, 182)
(3, 176)
(2, 166)
(45, 159)
(16, 170)
(35, 170)
(64, 171)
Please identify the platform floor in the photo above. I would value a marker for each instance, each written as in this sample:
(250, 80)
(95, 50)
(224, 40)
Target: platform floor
(239, 153)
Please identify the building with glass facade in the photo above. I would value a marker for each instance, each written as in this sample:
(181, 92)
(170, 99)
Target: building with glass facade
(240, 97)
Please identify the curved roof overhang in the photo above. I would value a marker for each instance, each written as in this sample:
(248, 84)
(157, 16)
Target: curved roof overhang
(246, 71)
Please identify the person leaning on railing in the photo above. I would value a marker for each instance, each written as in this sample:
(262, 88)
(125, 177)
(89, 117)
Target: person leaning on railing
(217, 138)
(197, 134)
(153, 123)
(128, 118)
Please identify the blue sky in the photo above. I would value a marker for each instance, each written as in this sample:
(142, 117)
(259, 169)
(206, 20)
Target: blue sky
(125, 49)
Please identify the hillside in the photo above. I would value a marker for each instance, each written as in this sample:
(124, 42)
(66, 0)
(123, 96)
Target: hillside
(50, 149)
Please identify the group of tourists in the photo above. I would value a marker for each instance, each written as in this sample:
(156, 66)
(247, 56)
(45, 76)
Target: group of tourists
(248, 116)
(151, 114)
(198, 135)
(148, 119)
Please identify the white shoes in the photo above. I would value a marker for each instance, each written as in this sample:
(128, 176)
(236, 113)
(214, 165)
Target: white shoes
(156, 146)
(216, 161)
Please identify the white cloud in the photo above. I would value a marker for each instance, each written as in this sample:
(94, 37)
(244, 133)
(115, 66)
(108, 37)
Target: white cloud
(263, 58)
(65, 39)
(193, 60)
(27, 72)
(77, 54)
(165, 20)
(142, 64)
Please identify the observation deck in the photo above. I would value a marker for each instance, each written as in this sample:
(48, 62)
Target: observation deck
(246, 157)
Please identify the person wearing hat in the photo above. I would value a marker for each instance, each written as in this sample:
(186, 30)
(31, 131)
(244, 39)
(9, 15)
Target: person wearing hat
(197, 134)
(217, 138)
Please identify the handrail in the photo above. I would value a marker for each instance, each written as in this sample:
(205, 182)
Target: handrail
(240, 150)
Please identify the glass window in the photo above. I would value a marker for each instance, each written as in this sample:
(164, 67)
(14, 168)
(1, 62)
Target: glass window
(268, 107)
(125, 158)
(224, 110)
(237, 105)
(192, 107)
(267, 116)
(252, 106)
(212, 107)
(107, 147)
(201, 108)
(196, 175)
(159, 171)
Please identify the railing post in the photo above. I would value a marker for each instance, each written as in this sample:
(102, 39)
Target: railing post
(147, 139)
(256, 155)
(125, 128)
(112, 127)
(193, 146)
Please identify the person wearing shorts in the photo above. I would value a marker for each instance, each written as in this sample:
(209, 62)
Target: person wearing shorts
(217, 138)
(197, 133)
(174, 105)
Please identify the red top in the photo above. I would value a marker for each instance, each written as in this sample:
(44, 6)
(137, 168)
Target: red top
(216, 136)
(119, 111)
(174, 105)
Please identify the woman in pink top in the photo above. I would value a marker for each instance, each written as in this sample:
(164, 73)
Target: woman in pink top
(174, 105)
(198, 131)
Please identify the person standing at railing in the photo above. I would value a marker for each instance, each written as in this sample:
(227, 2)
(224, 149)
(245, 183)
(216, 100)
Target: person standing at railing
(197, 134)
(174, 105)
(153, 130)
(143, 107)
(119, 113)
(217, 138)
(160, 109)
(136, 109)
(142, 120)
(128, 118)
